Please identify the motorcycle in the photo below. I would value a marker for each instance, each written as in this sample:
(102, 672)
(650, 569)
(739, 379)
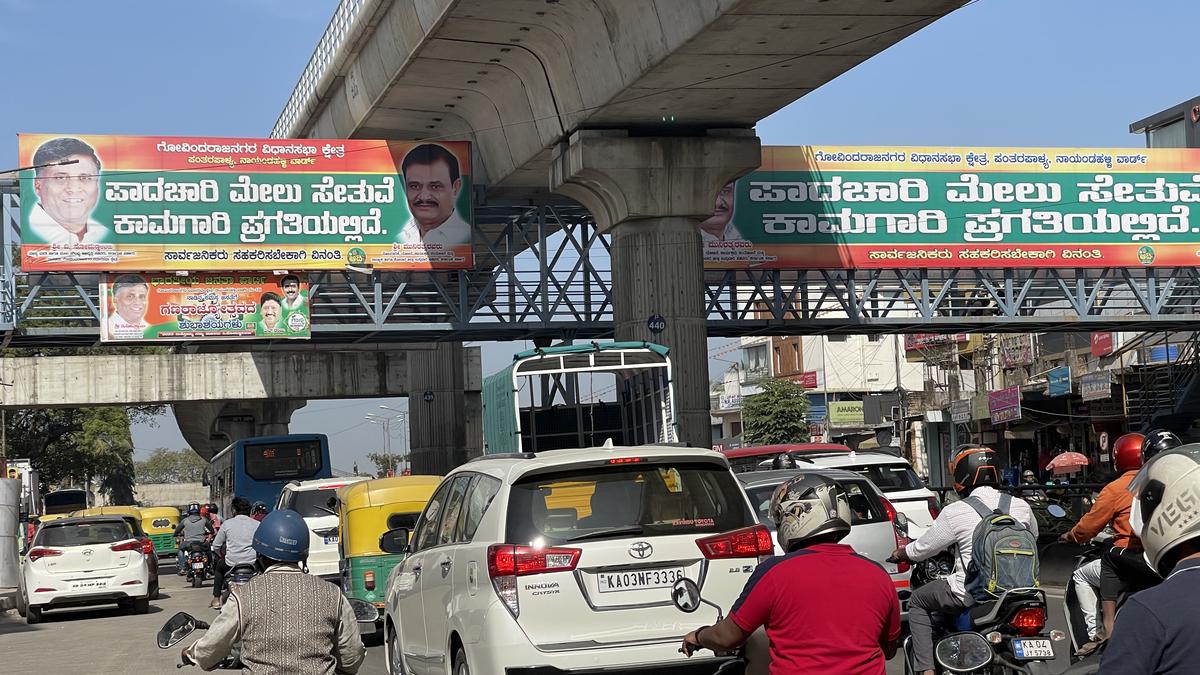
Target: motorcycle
(178, 627)
(199, 563)
(1077, 628)
(1006, 635)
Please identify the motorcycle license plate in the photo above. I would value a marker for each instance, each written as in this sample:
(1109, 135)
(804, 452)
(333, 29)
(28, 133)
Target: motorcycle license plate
(197, 566)
(1033, 649)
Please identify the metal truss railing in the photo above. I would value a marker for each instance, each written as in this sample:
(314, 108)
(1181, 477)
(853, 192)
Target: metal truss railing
(544, 272)
(789, 302)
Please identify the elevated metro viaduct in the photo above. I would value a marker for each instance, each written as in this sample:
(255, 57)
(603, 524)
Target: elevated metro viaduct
(638, 111)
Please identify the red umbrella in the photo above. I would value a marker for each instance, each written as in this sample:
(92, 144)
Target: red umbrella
(1067, 462)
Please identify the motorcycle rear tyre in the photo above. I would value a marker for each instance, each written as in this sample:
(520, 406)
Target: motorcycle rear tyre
(197, 580)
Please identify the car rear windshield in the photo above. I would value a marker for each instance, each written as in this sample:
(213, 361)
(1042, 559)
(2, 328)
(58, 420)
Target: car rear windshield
(889, 477)
(624, 501)
(312, 503)
(83, 534)
(864, 505)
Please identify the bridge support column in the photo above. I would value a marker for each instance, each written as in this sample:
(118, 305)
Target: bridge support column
(652, 193)
(209, 426)
(445, 407)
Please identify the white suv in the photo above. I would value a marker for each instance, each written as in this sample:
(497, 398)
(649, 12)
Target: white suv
(892, 474)
(315, 501)
(563, 562)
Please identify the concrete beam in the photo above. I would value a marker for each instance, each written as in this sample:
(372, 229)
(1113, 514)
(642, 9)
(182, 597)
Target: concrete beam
(135, 379)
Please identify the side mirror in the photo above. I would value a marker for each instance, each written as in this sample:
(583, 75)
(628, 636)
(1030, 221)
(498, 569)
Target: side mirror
(685, 594)
(175, 630)
(364, 611)
(1056, 511)
(332, 503)
(902, 522)
(394, 540)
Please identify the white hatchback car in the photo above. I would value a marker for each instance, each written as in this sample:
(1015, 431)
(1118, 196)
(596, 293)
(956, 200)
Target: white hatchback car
(315, 501)
(564, 562)
(84, 561)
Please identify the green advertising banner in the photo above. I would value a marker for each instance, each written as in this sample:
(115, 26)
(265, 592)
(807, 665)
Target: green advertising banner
(206, 306)
(814, 207)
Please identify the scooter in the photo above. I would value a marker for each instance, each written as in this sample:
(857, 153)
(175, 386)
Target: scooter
(685, 595)
(178, 627)
(239, 576)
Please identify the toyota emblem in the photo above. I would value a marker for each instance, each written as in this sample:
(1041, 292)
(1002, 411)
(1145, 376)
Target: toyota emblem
(641, 550)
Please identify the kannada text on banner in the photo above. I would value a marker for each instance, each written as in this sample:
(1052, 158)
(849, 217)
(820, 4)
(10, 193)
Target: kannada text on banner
(205, 306)
(152, 203)
(815, 207)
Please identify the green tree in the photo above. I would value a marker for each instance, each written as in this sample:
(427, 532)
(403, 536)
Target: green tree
(171, 466)
(775, 415)
(384, 462)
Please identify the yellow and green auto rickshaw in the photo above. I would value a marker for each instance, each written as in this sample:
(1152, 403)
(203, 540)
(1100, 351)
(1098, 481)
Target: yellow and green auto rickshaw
(367, 510)
(159, 524)
(133, 511)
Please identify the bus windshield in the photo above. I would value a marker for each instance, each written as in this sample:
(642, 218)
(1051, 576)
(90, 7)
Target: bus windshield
(291, 460)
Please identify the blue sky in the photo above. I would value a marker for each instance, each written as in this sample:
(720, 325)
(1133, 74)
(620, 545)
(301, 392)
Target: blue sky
(999, 72)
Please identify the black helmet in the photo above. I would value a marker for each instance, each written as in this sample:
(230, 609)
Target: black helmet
(783, 461)
(974, 465)
(1156, 441)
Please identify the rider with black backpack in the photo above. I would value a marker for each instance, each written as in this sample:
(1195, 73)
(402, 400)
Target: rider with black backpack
(996, 539)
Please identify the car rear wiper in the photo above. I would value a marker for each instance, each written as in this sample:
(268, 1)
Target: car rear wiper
(611, 532)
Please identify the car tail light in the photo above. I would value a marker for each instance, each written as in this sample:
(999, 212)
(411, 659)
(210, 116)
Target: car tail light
(134, 545)
(36, 553)
(935, 509)
(748, 542)
(507, 562)
(369, 580)
(1029, 621)
(901, 537)
(134, 582)
(148, 547)
(626, 460)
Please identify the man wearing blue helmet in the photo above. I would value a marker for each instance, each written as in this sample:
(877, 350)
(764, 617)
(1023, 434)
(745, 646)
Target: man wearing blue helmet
(286, 620)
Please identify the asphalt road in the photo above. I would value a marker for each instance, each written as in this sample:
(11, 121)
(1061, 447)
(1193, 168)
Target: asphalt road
(106, 641)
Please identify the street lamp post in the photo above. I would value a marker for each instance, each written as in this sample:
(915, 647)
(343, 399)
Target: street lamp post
(402, 417)
(386, 423)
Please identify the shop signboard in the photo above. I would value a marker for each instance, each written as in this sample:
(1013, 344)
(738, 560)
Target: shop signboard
(1059, 381)
(1004, 405)
(1102, 344)
(158, 203)
(1016, 350)
(808, 379)
(1095, 386)
(979, 407)
(846, 414)
(205, 306)
(960, 412)
(821, 207)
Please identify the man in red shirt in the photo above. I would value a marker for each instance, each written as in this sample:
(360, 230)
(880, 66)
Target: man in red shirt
(825, 608)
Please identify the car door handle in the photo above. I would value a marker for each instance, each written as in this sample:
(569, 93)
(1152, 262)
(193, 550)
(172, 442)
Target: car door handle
(446, 563)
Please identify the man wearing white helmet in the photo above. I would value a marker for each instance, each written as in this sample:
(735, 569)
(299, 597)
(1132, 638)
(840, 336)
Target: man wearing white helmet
(1158, 629)
(826, 608)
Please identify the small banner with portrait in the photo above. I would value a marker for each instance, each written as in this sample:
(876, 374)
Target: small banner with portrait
(207, 306)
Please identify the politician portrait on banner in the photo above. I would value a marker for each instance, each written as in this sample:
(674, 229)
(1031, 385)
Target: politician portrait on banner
(204, 306)
(151, 203)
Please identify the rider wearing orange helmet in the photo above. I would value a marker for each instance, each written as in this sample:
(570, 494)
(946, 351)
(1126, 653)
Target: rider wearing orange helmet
(1121, 568)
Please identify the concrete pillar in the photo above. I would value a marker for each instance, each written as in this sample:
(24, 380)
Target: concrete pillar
(445, 407)
(210, 426)
(652, 193)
